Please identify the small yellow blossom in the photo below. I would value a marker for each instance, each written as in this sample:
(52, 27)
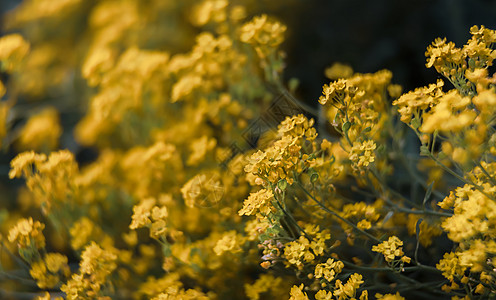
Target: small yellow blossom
(396, 296)
(13, 48)
(362, 154)
(298, 126)
(50, 271)
(297, 293)
(391, 249)
(323, 295)
(349, 289)
(264, 284)
(329, 269)
(41, 132)
(264, 34)
(209, 11)
(230, 242)
(28, 233)
(46, 296)
(338, 70)
(258, 202)
(297, 252)
(450, 266)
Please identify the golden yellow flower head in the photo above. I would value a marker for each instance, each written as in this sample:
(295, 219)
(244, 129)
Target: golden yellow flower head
(28, 233)
(13, 48)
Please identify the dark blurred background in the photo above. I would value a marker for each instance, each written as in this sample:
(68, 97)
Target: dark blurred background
(374, 35)
(368, 35)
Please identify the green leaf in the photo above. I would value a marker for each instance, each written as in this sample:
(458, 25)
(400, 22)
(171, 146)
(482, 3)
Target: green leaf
(428, 193)
(282, 184)
(293, 84)
(424, 151)
(416, 123)
(314, 177)
(346, 126)
(417, 232)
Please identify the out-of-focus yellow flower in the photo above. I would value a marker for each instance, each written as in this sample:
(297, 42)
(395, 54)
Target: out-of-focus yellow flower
(338, 70)
(41, 132)
(13, 48)
(28, 233)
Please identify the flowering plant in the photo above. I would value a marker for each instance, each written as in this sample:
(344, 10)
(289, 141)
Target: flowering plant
(198, 190)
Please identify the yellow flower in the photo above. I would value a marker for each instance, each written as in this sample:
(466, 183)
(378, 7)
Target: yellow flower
(323, 295)
(414, 102)
(297, 293)
(230, 242)
(202, 190)
(83, 231)
(450, 266)
(362, 154)
(263, 33)
(396, 296)
(391, 249)
(338, 71)
(258, 202)
(22, 163)
(329, 269)
(298, 126)
(333, 92)
(297, 252)
(208, 11)
(41, 132)
(46, 296)
(199, 149)
(142, 213)
(28, 233)
(50, 271)
(449, 115)
(13, 48)
(349, 289)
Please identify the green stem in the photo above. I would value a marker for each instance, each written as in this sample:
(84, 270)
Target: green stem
(326, 209)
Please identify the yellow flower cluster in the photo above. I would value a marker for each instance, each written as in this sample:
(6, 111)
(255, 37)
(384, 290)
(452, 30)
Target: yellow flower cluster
(264, 284)
(453, 62)
(413, 104)
(264, 34)
(298, 126)
(297, 293)
(356, 105)
(366, 214)
(349, 289)
(302, 250)
(28, 234)
(259, 202)
(48, 178)
(83, 231)
(166, 93)
(203, 190)
(276, 162)
(230, 242)
(13, 49)
(362, 154)
(396, 296)
(392, 250)
(329, 269)
(50, 271)
(41, 132)
(95, 267)
(147, 214)
(450, 114)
